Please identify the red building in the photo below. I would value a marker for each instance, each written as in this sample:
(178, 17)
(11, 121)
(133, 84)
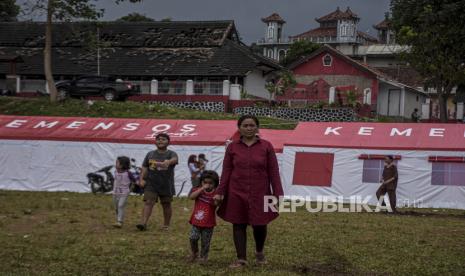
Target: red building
(330, 76)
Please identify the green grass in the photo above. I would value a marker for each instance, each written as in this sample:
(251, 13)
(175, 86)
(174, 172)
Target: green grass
(44, 233)
(128, 109)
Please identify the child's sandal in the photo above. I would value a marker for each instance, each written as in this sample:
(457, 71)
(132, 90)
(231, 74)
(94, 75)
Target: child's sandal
(238, 264)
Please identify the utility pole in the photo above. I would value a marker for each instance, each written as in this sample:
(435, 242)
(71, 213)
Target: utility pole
(98, 51)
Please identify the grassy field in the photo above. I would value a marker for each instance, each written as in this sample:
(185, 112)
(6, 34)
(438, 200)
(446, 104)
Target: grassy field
(45, 233)
(73, 107)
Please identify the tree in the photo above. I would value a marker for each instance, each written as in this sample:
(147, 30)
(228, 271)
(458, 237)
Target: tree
(285, 81)
(299, 49)
(434, 32)
(166, 19)
(8, 10)
(62, 10)
(136, 17)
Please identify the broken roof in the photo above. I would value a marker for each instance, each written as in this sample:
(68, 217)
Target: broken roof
(204, 48)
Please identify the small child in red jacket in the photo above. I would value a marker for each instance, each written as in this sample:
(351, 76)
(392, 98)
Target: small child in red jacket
(203, 217)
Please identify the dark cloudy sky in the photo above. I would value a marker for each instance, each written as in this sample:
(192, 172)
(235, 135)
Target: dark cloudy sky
(299, 14)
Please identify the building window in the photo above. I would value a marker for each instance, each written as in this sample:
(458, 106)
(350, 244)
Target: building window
(313, 169)
(207, 87)
(281, 55)
(180, 87)
(373, 166)
(200, 87)
(448, 171)
(164, 87)
(270, 53)
(270, 32)
(327, 60)
(367, 96)
(216, 87)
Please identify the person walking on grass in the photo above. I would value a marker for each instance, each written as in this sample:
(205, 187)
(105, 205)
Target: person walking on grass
(157, 179)
(121, 188)
(203, 218)
(389, 183)
(250, 173)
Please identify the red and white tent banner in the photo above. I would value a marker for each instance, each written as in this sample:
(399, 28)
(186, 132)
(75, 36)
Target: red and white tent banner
(134, 131)
(346, 159)
(380, 136)
(56, 153)
(316, 159)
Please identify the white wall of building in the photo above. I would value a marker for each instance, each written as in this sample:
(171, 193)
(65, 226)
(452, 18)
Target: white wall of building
(413, 100)
(254, 84)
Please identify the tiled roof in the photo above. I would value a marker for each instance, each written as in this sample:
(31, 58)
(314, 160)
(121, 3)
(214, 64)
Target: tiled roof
(147, 49)
(229, 59)
(403, 74)
(367, 36)
(406, 76)
(331, 32)
(273, 17)
(338, 15)
(383, 25)
(119, 34)
(318, 32)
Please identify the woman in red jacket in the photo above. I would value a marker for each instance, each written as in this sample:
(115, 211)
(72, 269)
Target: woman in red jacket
(250, 172)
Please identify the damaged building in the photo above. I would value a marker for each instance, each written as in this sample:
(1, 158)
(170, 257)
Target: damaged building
(171, 58)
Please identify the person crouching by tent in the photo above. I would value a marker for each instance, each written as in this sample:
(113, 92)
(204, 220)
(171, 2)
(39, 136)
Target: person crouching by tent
(389, 182)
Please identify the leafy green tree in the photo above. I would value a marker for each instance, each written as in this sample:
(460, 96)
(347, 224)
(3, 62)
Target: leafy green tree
(62, 10)
(136, 17)
(8, 10)
(299, 49)
(285, 81)
(434, 31)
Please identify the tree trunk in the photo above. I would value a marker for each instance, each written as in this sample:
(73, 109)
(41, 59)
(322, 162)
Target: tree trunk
(48, 54)
(442, 98)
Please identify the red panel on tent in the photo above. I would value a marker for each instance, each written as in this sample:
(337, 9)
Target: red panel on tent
(452, 159)
(313, 169)
(380, 136)
(377, 157)
(137, 131)
(276, 137)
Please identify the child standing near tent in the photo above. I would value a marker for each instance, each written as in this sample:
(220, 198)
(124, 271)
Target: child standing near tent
(203, 218)
(121, 188)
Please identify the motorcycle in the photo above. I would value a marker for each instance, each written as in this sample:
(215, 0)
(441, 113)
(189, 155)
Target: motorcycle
(102, 181)
(136, 171)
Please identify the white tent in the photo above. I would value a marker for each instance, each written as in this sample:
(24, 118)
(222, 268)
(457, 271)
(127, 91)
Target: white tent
(56, 153)
(346, 159)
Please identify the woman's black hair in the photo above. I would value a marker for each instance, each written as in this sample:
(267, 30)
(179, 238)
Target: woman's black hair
(191, 158)
(164, 135)
(124, 162)
(210, 175)
(390, 157)
(248, 116)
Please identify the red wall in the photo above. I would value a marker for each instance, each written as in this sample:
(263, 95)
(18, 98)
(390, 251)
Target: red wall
(338, 67)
